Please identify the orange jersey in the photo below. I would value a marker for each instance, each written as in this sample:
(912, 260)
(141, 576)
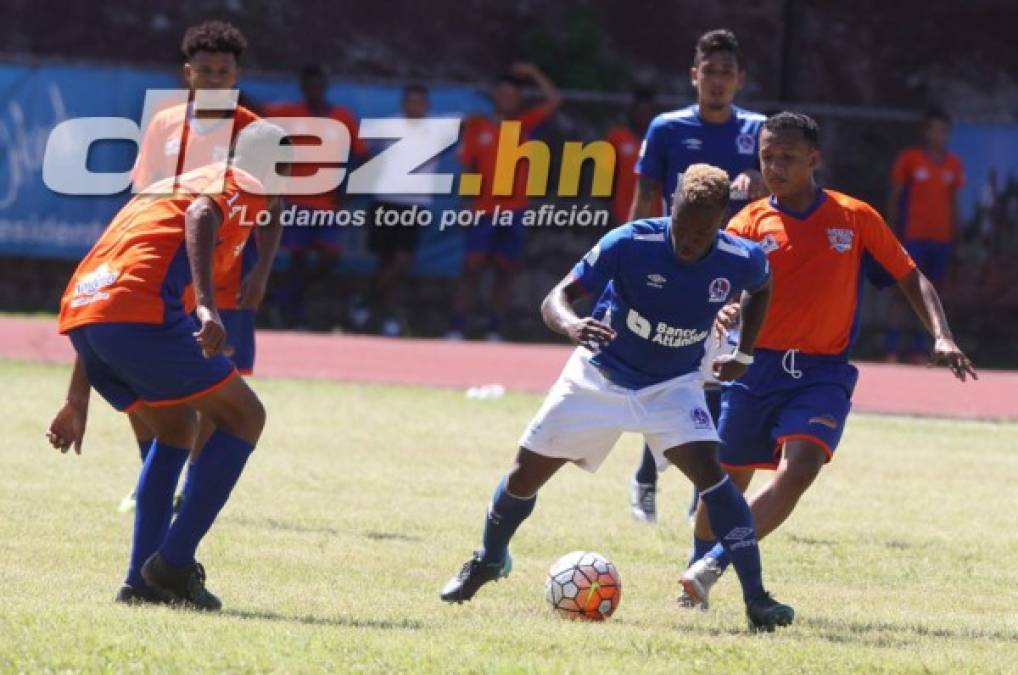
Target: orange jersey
(930, 187)
(479, 151)
(138, 270)
(816, 259)
(207, 141)
(627, 151)
(327, 201)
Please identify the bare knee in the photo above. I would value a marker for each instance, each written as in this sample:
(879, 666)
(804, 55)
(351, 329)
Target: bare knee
(800, 466)
(530, 472)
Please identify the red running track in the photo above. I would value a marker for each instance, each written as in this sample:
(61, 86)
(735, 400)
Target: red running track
(886, 389)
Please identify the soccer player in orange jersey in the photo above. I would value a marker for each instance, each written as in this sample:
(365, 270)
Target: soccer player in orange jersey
(626, 139)
(923, 209)
(787, 413)
(139, 347)
(488, 242)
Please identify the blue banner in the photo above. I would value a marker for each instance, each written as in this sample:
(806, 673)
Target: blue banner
(34, 221)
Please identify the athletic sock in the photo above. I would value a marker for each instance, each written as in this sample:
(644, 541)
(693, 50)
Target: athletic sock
(701, 547)
(210, 479)
(646, 474)
(732, 522)
(505, 513)
(457, 322)
(143, 447)
(154, 505)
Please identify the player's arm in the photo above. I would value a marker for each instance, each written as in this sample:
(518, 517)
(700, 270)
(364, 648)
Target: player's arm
(252, 287)
(927, 306)
(549, 92)
(68, 426)
(749, 185)
(753, 310)
(201, 225)
(559, 315)
(647, 200)
(894, 205)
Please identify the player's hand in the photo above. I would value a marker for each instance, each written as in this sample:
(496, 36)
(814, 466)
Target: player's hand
(211, 336)
(252, 291)
(68, 427)
(727, 319)
(748, 185)
(523, 70)
(946, 353)
(590, 333)
(727, 369)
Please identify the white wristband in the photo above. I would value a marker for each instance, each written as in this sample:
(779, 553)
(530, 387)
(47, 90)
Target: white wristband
(744, 359)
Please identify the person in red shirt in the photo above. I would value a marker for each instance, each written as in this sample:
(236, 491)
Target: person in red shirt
(322, 242)
(626, 140)
(923, 209)
(488, 242)
(787, 413)
(138, 345)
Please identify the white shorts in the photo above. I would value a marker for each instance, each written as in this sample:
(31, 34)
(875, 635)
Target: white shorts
(584, 414)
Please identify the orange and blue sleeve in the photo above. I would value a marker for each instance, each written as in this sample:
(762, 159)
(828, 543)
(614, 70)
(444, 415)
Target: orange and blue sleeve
(880, 242)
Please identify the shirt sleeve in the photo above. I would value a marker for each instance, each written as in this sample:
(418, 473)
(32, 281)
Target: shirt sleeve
(468, 148)
(902, 171)
(533, 117)
(148, 166)
(601, 263)
(741, 224)
(760, 268)
(652, 161)
(352, 124)
(880, 242)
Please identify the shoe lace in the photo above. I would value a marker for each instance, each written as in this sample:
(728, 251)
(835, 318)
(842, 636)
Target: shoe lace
(196, 582)
(468, 567)
(647, 501)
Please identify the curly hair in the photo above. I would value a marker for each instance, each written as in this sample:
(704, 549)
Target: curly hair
(703, 185)
(213, 36)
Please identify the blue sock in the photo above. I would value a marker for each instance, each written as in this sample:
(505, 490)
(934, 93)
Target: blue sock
(647, 473)
(457, 322)
(505, 514)
(143, 447)
(701, 547)
(154, 508)
(891, 341)
(732, 522)
(692, 505)
(209, 481)
(494, 324)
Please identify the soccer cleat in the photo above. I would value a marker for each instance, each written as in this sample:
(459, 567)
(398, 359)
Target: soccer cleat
(697, 582)
(129, 595)
(643, 500)
(474, 574)
(184, 585)
(765, 613)
(128, 503)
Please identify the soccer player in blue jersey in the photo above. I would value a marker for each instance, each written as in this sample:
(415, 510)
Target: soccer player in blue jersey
(659, 282)
(712, 131)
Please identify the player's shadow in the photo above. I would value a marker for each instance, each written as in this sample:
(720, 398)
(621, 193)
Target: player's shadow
(335, 621)
(885, 634)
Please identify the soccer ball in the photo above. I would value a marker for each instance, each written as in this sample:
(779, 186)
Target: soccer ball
(583, 585)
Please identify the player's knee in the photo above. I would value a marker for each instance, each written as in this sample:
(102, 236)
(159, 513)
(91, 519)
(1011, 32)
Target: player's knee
(801, 470)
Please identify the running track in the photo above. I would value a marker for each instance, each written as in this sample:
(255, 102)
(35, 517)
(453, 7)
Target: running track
(887, 389)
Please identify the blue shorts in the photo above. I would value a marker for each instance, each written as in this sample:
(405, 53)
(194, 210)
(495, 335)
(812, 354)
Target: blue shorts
(770, 406)
(318, 238)
(131, 364)
(503, 244)
(240, 334)
(933, 258)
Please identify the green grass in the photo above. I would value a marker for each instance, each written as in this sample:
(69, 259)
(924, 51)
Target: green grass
(361, 501)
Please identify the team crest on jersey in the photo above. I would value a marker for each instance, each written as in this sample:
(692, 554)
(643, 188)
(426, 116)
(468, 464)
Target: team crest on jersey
(719, 290)
(746, 144)
(656, 281)
(840, 238)
(692, 143)
(700, 417)
(769, 244)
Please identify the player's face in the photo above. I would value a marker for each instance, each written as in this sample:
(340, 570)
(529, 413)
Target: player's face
(212, 70)
(313, 89)
(717, 80)
(787, 162)
(694, 229)
(937, 133)
(415, 104)
(506, 98)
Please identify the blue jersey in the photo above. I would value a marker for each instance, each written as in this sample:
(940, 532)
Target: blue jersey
(675, 140)
(662, 309)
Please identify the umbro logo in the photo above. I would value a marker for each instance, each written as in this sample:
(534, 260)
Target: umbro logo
(656, 281)
(692, 143)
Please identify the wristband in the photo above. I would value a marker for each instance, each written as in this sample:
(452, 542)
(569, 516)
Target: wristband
(743, 358)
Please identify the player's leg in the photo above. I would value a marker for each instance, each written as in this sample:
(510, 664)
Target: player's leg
(466, 291)
(508, 251)
(144, 437)
(732, 520)
(643, 489)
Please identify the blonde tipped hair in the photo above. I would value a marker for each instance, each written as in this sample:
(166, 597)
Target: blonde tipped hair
(703, 185)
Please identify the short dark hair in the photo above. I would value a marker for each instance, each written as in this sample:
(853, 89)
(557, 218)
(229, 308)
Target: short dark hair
(936, 115)
(720, 40)
(792, 121)
(415, 88)
(313, 71)
(214, 37)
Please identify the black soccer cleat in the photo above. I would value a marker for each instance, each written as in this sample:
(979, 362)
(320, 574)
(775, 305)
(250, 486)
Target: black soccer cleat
(766, 613)
(474, 574)
(184, 585)
(129, 595)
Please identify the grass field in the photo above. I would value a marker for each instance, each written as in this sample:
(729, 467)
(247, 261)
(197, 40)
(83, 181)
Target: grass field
(361, 501)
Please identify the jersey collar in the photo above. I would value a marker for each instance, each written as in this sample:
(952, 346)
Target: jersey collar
(818, 201)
